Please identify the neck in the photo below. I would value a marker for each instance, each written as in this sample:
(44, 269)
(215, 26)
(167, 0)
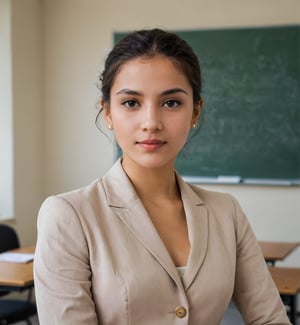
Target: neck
(153, 183)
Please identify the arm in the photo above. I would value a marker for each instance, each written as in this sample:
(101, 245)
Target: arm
(61, 267)
(255, 294)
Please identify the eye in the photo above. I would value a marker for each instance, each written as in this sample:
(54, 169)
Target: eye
(131, 103)
(172, 103)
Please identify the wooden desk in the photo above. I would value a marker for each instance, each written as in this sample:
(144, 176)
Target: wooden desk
(277, 251)
(287, 281)
(17, 276)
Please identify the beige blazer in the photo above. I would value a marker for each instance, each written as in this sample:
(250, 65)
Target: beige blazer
(99, 260)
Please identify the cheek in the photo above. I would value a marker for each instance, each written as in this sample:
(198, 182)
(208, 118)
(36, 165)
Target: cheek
(124, 123)
(124, 127)
(181, 123)
(180, 134)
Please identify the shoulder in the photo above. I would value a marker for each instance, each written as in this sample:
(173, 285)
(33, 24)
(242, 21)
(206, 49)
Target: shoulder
(73, 198)
(213, 200)
(217, 200)
(72, 216)
(113, 189)
(88, 202)
(223, 208)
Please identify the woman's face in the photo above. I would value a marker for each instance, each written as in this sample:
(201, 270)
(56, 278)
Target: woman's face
(151, 110)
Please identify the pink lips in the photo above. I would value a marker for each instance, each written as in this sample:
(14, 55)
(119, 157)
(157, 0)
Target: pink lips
(151, 144)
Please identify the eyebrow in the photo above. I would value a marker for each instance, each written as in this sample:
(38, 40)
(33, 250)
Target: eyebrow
(164, 93)
(127, 91)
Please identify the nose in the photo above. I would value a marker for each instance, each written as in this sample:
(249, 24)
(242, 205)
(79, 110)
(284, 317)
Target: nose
(152, 119)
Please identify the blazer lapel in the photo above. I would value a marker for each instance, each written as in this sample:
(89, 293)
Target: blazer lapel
(129, 208)
(139, 223)
(197, 221)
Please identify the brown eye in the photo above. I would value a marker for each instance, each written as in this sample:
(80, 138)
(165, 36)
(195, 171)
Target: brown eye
(171, 103)
(130, 103)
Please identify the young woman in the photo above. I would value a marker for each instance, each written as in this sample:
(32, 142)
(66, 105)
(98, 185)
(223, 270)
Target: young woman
(140, 246)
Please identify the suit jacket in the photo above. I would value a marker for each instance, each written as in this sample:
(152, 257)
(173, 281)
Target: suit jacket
(99, 260)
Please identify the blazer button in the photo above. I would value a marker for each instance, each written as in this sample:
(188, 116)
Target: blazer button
(180, 312)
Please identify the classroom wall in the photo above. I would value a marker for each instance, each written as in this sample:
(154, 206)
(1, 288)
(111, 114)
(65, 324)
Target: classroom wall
(77, 35)
(6, 120)
(27, 109)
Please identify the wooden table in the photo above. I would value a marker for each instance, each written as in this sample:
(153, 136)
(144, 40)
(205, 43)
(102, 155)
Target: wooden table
(287, 281)
(277, 251)
(17, 276)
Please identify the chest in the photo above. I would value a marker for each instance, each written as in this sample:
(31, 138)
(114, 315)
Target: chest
(170, 223)
(134, 278)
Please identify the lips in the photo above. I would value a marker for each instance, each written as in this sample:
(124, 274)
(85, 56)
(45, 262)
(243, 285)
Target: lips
(151, 141)
(151, 144)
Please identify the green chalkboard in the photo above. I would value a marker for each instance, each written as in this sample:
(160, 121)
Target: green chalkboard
(251, 119)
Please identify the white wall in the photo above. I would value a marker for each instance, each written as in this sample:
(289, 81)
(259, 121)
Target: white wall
(58, 148)
(27, 104)
(6, 120)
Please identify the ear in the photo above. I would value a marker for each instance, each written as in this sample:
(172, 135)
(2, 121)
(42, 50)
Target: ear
(106, 112)
(197, 111)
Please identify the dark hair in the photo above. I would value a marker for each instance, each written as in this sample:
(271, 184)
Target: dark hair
(148, 43)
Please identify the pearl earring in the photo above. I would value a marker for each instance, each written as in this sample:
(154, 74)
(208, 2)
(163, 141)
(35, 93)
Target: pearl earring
(110, 126)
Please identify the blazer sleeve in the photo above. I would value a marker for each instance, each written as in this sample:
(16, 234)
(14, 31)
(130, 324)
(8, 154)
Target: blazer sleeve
(61, 267)
(255, 293)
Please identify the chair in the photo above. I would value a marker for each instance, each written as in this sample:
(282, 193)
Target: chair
(8, 240)
(13, 310)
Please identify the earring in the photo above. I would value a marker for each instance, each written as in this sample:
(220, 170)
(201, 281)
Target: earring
(194, 125)
(110, 127)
